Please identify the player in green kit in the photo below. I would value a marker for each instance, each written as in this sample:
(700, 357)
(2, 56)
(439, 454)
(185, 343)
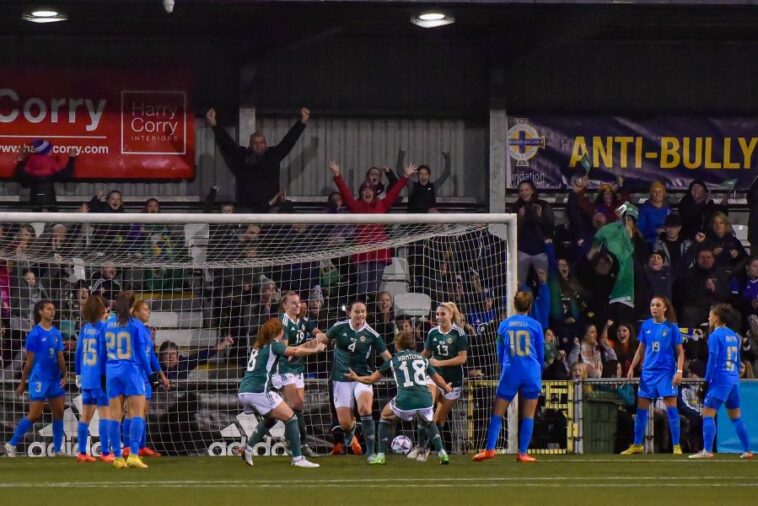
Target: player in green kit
(354, 341)
(413, 400)
(447, 348)
(289, 378)
(255, 392)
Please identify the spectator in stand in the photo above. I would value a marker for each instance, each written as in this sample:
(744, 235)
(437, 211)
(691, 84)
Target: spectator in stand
(655, 278)
(422, 194)
(689, 404)
(725, 245)
(653, 213)
(317, 311)
(566, 299)
(598, 271)
(591, 352)
(696, 209)
(745, 292)
(108, 237)
(374, 178)
(624, 344)
(106, 283)
(39, 169)
(178, 367)
(704, 285)
(607, 201)
(370, 266)
(617, 239)
(677, 249)
(579, 222)
(256, 167)
(752, 222)
(384, 317)
(29, 292)
(555, 367)
(535, 224)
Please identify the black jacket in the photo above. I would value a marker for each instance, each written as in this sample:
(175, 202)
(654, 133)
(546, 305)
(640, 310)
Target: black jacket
(42, 189)
(257, 175)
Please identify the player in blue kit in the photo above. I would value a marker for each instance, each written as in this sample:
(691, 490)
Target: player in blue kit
(520, 349)
(44, 360)
(88, 369)
(662, 356)
(723, 378)
(140, 318)
(126, 366)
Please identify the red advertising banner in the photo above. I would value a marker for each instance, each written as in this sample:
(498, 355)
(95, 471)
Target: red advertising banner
(120, 124)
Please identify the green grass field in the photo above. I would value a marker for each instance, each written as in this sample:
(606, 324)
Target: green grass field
(583, 480)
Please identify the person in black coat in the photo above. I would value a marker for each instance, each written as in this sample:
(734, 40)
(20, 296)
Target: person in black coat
(752, 222)
(704, 285)
(536, 223)
(39, 169)
(256, 167)
(422, 194)
(696, 209)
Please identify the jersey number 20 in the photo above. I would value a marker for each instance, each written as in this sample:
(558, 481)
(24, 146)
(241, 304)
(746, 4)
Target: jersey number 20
(520, 343)
(121, 343)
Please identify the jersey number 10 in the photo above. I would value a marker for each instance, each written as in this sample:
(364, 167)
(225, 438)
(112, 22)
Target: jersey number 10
(520, 343)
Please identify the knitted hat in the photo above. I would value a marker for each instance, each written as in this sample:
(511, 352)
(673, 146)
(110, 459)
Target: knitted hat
(41, 146)
(628, 209)
(316, 294)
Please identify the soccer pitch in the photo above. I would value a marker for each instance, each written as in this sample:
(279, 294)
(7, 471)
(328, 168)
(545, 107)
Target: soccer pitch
(584, 480)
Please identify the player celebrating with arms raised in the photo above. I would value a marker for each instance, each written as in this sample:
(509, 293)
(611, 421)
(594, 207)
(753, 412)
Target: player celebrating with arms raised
(722, 374)
(255, 393)
(354, 340)
(520, 349)
(413, 400)
(660, 341)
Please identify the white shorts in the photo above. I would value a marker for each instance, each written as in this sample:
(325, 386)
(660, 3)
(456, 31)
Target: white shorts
(425, 414)
(280, 380)
(262, 403)
(454, 394)
(345, 393)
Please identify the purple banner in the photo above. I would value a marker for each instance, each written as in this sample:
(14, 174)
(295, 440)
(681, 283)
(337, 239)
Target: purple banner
(723, 152)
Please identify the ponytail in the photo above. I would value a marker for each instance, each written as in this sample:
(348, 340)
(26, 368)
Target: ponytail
(455, 313)
(124, 304)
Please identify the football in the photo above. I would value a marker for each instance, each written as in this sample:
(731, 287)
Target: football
(401, 445)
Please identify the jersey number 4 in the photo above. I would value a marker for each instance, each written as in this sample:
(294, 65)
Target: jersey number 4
(520, 343)
(419, 373)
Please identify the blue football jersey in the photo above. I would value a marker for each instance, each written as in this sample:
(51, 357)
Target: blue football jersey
(45, 344)
(147, 343)
(723, 356)
(660, 340)
(88, 354)
(520, 344)
(124, 345)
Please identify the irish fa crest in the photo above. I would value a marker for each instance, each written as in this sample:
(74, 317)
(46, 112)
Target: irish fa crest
(524, 141)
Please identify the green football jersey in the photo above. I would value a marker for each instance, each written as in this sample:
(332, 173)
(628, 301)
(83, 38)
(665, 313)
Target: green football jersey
(446, 346)
(411, 371)
(352, 349)
(260, 367)
(295, 334)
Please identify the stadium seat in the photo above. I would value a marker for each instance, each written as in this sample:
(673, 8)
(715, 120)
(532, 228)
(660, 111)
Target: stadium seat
(398, 271)
(394, 287)
(179, 320)
(413, 304)
(196, 236)
(187, 337)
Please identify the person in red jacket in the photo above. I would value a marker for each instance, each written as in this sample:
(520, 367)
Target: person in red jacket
(370, 265)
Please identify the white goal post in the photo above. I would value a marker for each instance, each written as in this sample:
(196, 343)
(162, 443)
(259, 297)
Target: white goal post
(209, 277)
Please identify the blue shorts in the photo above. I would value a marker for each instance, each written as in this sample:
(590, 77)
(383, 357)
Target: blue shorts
(94, 396)
(511, 383)
(41, 389)
(126, 381)
(148, 390)
(719, 393)
(653, 386)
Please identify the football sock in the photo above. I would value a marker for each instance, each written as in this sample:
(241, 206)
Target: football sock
(301, 427)
(640, 423)
(260, 431)
(739, 426)
(674, 424)
(82, 430)
(525, 435)
(57, 435)
(709, 433)
(292, 434)
(143, 438)
(493, 431)
(349, 435)
(104, 427)
(385, 427)
(369, 434)
(422, 440)
(23, 426)
(135, 434)
(126, 430)
(115, 436)
(433, 433)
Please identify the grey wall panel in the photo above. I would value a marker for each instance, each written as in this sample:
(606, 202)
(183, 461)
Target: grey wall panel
(361, 143)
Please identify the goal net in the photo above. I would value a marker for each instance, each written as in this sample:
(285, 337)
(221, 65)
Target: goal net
(212, 280)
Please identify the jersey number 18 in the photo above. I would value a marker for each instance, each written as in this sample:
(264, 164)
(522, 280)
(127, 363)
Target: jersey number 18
(419, 373)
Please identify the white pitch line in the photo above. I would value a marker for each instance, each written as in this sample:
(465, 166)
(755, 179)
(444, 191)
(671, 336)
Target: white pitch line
(288, 485)
(382, 482)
